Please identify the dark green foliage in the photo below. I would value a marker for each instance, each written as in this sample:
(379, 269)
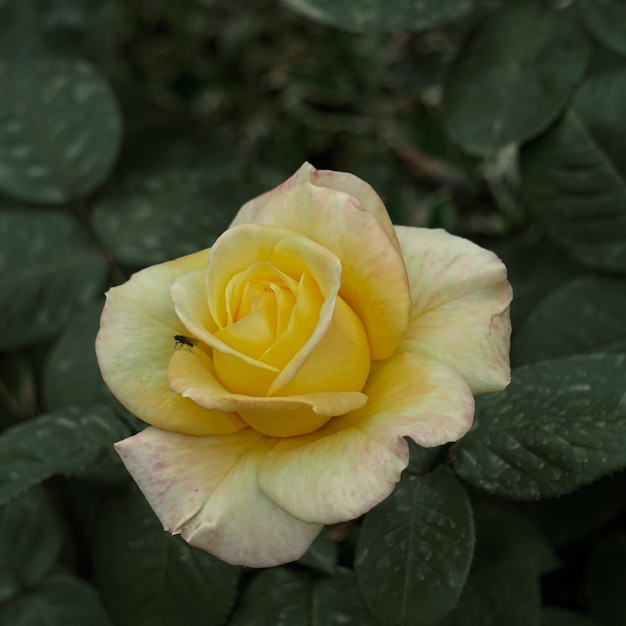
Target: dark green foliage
(375, 16)
(60, 130)
(585, 315)
(148, 577)
(47, 271)
(559, 425)
(605, 580)
(574, 176)
(415, 550)
(513, 77)
(73, 440)
(286, 597)
(131, 133)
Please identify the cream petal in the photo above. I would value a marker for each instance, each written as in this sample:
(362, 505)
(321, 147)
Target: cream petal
(191, 373)
(134, 346)
(374, 281)
(460, 306)
(248, 212)
(359, 189)
(368, 199)
(345, 468)
(205, 488)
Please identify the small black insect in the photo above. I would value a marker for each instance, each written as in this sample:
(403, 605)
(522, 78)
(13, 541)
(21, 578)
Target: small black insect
(181, 341)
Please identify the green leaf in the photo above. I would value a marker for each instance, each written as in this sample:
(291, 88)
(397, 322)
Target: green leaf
(606, 19)
(505, 593)
(569, 518)
(72, 376)
(322, 556)
(60, 130)
(421, 459)
(587, 314)
(506, 534)
(513, 77)
(375, 16)
(47, 271)
(534, 271)
(61, 601)
(415, 550)
(558, 426)
(74, 440)
(553, 616)
(149, 577)
(30, 543)
(606, 581)
(163, 217)
(285, 597)
(574, 176)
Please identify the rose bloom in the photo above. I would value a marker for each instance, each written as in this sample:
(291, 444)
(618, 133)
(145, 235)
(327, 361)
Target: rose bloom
(313, 337)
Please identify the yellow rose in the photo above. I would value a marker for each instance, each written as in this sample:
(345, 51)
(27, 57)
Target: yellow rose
(281, 369)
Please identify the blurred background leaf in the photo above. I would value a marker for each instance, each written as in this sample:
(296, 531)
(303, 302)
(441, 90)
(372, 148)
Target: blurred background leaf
(282, 595)
(60, 130)
(573, 176)
(74, 440)
(48, 269)
(606, 580)
(513, 77)
(374, 15)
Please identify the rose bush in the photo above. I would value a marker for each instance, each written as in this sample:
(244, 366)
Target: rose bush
(317, 337)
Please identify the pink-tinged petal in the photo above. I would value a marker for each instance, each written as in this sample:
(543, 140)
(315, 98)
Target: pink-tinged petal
(192, 374)
(247, 214)
(460, 306)
(345, 468)
(374, 281)
(359, 189)
(134, 346)
(205, 488)
(368, 199)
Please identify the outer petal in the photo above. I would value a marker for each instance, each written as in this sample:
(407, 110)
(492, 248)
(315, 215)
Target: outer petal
(205, 488)
(374, 281)
(460, 300)
(191, 373)
(340, 181)
(134, 346)
(344, 469)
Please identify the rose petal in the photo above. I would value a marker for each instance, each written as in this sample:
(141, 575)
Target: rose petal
(344, 469)
(241, 247)
(318, 271)
(340, 181)
(359, 189)
(374, 281)
(190, 299)
(460, 306)
(205, 488)
(339, 362)
(134, 346)
(192, 374)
